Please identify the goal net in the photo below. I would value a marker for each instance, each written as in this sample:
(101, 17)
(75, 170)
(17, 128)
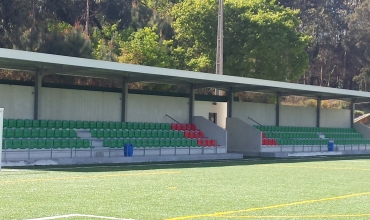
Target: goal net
(1, 134)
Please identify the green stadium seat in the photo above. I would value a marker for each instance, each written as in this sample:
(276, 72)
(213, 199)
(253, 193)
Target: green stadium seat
(99, 125)
(149, 133)
(120, 143)
(123, 125)
(85, 124)
(113, 143)
(65, 124)
(8, 144)
(144, 142)
(157, 126)
(162, 142)
(154, 134)
(93, 133)
(135, 125)
(105, 125)
(183, 142)
(150, 142)
(72, 143)
(143, 134)
(106, 134)
(58, 124)
(12, 123)
(112, 125)
(125, 133)
(50, 133)
(26, 133)
(178, 142)
(130, 125)
(57, 144)
(65, 133)
(141, 126)
(65, 144)
(19, 123)
(162, 126)
(167, 142)
(99, 133)
(160, 134)
(133, 141)
(72, 124)
(57, 133)
(43, 124)
(42, 133)
(170, 133)
(35, 123)
(79, 144)
(5, 123)
(188, 142)
(176, 134)
(173, 143)
(79, 125)
(51, 124)
(41, 144)
(72, 134)
(10, 133)
(113, 134)
(33, 144)
(146, 126)
(118, 125)
(119, 133)
(17, 144)
(28, 123)
(165, 134)
(137, 133)
(156, 142)
(18, 133)
(151, 126)
(139, 142)
(86, 144)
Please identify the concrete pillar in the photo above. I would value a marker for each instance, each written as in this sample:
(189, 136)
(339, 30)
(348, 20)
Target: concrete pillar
(230, 102)
(318, 112)
(37, 98)
(352, 112)
(277, 108)
(191, 103)
(124, 100)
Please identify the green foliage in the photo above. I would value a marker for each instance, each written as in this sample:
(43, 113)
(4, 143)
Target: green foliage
(261, 40)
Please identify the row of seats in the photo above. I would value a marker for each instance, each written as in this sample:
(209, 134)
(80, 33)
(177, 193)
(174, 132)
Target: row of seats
(145, 134)
(158, 142)
(45, 143)
(27, 123)
(39, 133)
(312, 142)
(311, 135)
(304, 129)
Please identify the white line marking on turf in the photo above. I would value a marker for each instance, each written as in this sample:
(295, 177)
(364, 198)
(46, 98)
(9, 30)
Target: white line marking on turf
(78, 215)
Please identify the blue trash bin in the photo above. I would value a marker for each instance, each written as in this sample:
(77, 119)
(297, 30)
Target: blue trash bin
(128, 150)
(331, 145)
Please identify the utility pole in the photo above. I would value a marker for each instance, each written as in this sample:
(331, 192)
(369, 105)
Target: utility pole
(87, 16)
(220, 41)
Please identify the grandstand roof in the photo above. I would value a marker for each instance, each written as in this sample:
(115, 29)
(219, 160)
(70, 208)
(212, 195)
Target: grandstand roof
(55, 64)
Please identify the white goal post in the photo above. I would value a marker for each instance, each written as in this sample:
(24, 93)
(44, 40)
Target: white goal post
(1, 134)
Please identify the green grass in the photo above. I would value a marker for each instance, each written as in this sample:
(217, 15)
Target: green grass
(237, 189)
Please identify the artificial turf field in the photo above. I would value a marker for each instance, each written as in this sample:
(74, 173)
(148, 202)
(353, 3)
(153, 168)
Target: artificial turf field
(314, 188)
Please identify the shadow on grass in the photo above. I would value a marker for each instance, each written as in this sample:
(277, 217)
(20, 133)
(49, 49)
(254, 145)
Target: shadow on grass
(247, 161)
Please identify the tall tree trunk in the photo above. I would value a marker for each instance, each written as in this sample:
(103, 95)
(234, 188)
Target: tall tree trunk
(87, 16)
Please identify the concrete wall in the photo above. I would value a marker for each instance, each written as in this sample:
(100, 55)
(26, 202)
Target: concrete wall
(290, 115)
(242, 137)
(64, 104)
(362, 129)
(204, 108)
(262, 113)
(17, 101)
(336, 118)
(297, 116)
(211, 130)
(148, 108)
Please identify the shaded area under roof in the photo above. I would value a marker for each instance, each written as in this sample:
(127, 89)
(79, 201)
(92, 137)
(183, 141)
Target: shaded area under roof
(55, 64)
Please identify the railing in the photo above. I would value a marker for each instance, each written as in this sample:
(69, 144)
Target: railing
(173, 119)
(254, 120)
(50, 152)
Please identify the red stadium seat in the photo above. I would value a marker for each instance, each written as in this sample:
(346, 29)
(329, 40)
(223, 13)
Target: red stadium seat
(173, 126)
(213, 143)
(201, 134)
(200, 142)
(183, 127)
(186, 134)
(192, 135)
(178, 127)
(193, 127)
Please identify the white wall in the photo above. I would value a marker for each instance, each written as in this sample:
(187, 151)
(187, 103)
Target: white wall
(17, 101)
(204, 108)
(290, 115)
(65, 104)
(297, 116)
(336, 118)
(262, 113)
(148, 108)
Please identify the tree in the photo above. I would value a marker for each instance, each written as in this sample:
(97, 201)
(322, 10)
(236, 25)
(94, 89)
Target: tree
(260, 38)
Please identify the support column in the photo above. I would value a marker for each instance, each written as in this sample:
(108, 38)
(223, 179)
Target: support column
(318, 112)
(352, 112)
(230, 102)
(37, 93)
(277, 108)
(124, 100)
(191, 103)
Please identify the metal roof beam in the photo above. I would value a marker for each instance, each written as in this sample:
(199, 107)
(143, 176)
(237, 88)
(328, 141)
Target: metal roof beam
(60, 70)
